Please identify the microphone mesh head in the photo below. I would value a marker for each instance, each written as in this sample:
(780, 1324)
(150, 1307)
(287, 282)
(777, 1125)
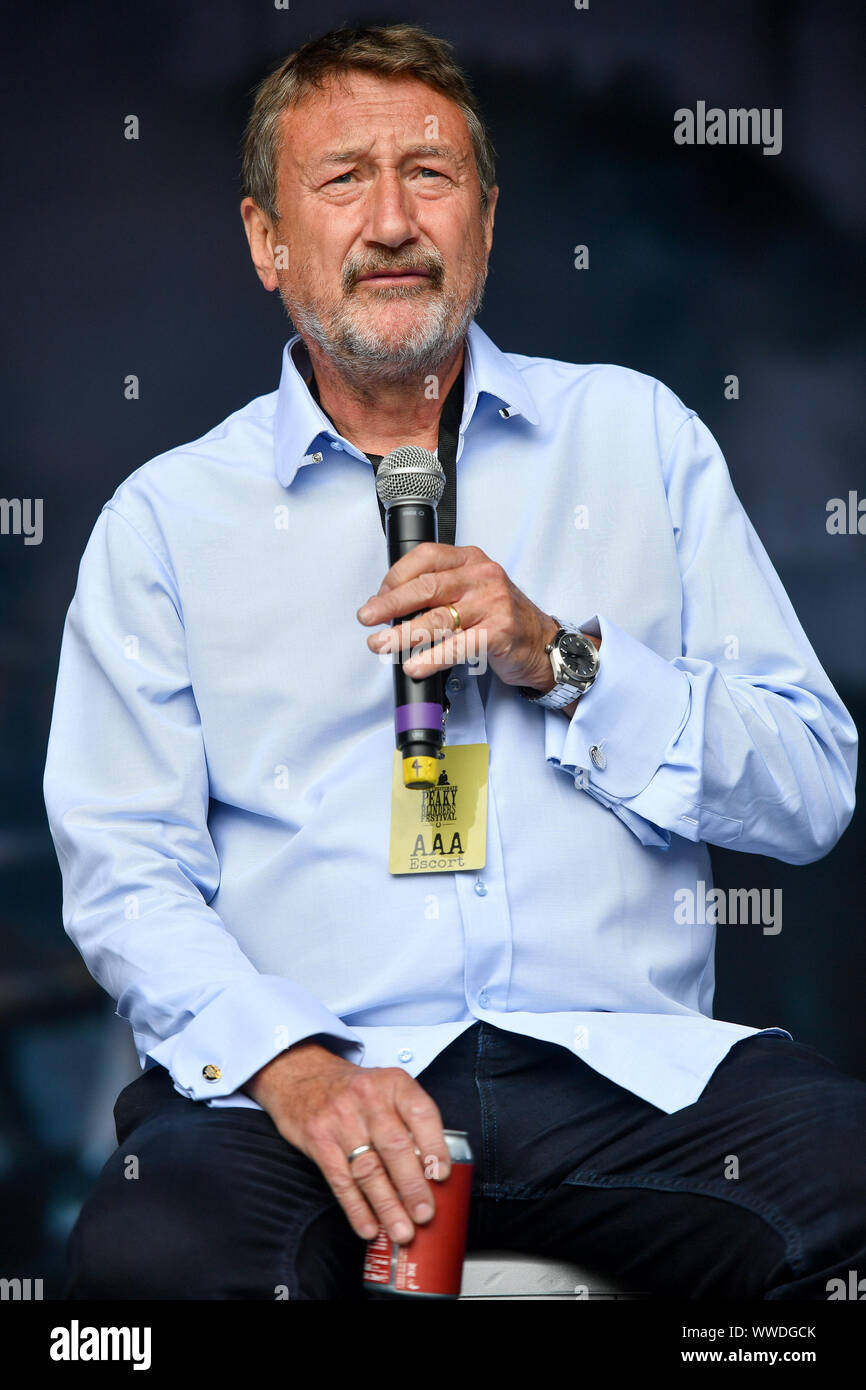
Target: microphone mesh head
(410, 474)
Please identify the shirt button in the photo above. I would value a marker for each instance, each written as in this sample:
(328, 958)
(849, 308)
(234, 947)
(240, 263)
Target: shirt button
(455, 683)
(317, 458)
(504, 412)
(211, 1072)
(480, 887)
(598, 758)
(484, 999)
(405, 1055)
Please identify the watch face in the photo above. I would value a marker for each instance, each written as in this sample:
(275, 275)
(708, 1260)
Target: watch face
(578, 655)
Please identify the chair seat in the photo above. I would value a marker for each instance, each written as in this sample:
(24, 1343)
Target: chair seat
(503, 1274)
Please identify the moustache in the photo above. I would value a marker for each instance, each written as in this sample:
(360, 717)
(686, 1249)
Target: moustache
(433, 267)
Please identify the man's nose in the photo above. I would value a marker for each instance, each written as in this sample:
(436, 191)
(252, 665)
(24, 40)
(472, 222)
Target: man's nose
(390, 217)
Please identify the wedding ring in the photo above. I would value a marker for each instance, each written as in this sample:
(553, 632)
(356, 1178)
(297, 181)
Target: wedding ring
(455, 615)
(356, 1153)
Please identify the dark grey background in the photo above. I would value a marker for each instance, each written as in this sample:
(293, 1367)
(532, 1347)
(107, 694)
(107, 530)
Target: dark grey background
(130, 257)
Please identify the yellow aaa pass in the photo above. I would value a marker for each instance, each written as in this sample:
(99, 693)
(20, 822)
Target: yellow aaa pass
(442, 828)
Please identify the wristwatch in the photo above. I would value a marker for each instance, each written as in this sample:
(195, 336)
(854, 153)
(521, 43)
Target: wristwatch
(574, 660)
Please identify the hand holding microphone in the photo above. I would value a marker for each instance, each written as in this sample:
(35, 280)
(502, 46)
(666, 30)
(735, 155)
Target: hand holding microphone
(510, 633)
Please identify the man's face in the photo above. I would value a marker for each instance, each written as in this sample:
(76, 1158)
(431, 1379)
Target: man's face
(379, 211)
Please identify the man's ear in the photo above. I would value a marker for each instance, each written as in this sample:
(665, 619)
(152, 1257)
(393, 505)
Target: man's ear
(262, 241)
(492, 198)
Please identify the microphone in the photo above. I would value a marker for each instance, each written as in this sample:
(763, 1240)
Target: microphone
(409, 483)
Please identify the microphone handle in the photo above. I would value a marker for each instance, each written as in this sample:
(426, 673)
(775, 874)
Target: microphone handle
(418, 704)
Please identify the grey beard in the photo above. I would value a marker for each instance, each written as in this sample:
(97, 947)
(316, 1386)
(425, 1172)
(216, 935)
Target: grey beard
(363, 359)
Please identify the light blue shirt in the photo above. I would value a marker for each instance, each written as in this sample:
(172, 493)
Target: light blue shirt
(219, 767)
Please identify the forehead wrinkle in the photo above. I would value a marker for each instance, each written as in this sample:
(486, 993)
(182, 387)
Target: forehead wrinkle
(366, 104)
(344, 156)
(437, 150)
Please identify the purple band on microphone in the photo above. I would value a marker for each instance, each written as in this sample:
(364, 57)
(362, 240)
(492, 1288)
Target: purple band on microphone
(421, 716)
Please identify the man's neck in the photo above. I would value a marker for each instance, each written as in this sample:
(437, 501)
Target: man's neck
(387, 414)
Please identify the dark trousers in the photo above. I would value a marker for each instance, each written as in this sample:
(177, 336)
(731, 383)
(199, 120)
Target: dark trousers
(758, 1190)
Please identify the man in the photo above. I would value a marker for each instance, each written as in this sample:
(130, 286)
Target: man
(219, 778)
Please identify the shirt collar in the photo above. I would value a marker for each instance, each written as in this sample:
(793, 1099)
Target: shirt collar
(302, 430)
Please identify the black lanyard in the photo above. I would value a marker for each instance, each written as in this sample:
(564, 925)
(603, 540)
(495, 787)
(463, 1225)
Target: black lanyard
(449, 431)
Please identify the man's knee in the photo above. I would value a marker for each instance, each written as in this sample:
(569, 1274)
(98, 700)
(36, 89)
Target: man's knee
(203, 1206)
(118, 1250)
(827, 1176)
(143, 1232)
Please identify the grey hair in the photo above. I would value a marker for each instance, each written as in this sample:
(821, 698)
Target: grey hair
(391, 50)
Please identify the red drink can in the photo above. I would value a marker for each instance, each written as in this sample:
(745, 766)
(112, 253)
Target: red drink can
(431, 1265)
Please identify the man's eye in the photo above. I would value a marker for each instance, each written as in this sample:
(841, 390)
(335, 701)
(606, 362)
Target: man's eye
(348, 175)
(435, 172)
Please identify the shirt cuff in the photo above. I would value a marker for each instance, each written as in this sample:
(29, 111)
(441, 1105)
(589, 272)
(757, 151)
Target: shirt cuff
(618, 736)
(248, 1024)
